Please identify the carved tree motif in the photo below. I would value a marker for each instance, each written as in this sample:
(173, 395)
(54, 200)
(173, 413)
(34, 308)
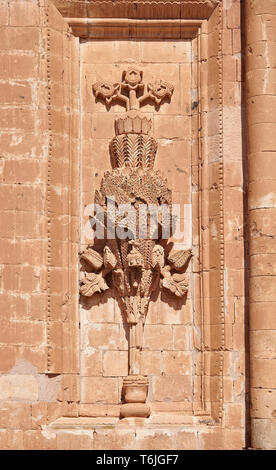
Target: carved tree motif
(136, 266)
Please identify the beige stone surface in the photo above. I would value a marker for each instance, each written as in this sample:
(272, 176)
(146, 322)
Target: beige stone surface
(18, 387)
(260, 66)
(63, 359)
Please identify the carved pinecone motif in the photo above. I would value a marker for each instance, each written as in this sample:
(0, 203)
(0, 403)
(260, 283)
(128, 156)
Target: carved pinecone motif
(130, 187)
(133, 150)
(133, 146)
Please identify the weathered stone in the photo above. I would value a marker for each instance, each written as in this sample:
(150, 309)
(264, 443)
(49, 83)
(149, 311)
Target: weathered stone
(64, 359)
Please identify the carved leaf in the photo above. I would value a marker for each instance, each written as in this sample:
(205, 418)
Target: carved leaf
(179, 258)
(158, 256)
(149, 153)
(118, 281)
(109, 259)
(93, 258)
(176, 284)
(117, 152)
(93, 283)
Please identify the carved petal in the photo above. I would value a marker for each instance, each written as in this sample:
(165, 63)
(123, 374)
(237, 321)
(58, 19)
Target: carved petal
(132, 76)
(159, 90)
(106, 90)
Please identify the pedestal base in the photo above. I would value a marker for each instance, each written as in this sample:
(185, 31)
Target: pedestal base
(135, 410)
(135, 390)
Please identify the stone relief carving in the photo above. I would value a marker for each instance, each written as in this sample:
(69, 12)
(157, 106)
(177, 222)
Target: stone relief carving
(134, 265)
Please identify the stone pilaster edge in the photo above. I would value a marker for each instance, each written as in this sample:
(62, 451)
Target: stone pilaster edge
(221, 204)
(49, 174)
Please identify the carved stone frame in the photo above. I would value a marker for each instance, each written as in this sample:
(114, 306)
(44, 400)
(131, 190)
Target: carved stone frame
(207, 202)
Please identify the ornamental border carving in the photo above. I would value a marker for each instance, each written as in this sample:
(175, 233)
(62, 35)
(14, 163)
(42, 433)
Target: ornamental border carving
(127, 28)
(201, 9)
(49, 165)
(61, 307)
(215, 411)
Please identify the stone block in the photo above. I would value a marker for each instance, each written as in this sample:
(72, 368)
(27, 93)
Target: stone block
(172, 388)
(24, 14)
(18, 387)
(115, 363)
(100, 390)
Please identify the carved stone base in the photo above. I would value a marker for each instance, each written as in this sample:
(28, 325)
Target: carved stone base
(137, 410)
(135, 390)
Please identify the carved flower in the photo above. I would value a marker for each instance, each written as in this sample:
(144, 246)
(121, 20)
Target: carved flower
(106, 90)
(135, 258)
(92, 283)
(160, 89)
(132, 78)
(177, 284)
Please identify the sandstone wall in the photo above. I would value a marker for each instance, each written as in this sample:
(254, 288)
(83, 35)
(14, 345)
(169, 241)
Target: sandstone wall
(261, 104)
(39, 92)
(62, 360)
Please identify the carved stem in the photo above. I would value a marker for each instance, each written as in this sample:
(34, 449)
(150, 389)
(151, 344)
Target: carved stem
(133, 103)
(135, 346)
(123, 98)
